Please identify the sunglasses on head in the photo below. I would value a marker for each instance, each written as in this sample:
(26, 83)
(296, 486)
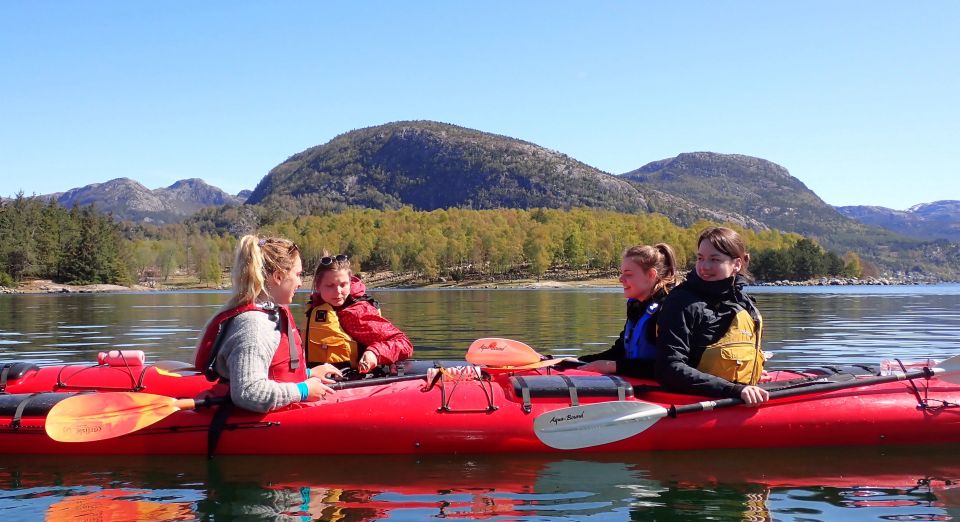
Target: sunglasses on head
(329, 260)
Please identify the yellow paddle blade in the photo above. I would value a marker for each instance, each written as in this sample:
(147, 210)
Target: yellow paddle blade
(491, 351)
(100, 416)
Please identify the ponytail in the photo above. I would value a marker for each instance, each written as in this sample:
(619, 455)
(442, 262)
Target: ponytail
(659, 257)
(256, 260)
(667, 269)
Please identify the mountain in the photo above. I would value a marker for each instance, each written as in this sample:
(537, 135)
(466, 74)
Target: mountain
(190, 195)
(753, 187)
(429, 165)
(937, 220)
(128, 199)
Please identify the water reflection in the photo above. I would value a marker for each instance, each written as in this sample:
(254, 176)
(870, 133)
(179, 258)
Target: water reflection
(904, 484)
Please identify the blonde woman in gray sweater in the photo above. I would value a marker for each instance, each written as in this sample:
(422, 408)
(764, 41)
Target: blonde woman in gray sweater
(253, 343)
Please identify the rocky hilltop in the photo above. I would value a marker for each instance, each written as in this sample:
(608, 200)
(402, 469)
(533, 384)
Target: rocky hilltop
(937, 220)
(429, 165)
(129, 200)
(754, 187)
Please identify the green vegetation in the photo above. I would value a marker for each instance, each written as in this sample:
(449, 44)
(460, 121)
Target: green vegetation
(802, 261)
(40, 239)
(491, 244)
(44, 240)
(81, 246)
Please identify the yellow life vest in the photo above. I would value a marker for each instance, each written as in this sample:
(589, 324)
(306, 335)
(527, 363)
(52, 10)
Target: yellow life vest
(736, 356)
(326, 340)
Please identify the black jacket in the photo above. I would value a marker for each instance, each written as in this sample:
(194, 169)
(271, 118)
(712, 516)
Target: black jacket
(640, 368)
(696, 314)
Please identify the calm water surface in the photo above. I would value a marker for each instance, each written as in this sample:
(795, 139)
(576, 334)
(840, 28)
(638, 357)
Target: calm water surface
(804, 327)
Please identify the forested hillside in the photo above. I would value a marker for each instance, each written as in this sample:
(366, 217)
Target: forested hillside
(416, 171)
(44, 240)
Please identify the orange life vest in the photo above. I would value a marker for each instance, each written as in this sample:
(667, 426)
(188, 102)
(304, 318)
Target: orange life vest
(327, 342)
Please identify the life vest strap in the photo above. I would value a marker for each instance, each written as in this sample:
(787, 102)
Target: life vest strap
(622, 388)
(208, 369)
(291, 342)
(524, 393)
(217, 424)
(572, 389)
(15, 424)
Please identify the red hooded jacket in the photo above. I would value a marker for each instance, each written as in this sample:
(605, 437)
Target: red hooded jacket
(361, 320)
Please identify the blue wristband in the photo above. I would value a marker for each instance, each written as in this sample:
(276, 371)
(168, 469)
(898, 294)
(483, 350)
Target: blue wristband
(302, 386)
(308, 373)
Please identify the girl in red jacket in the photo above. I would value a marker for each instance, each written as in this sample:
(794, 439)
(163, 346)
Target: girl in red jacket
(344, 325)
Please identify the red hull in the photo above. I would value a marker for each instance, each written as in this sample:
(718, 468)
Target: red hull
(400, 418)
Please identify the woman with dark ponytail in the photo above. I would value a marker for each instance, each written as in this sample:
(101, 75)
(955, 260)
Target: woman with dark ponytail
(647, 274)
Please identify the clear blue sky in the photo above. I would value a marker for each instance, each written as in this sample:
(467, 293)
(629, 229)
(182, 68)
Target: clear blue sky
(860, 100)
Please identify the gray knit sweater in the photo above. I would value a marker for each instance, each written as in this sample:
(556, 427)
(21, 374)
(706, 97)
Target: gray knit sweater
(249, 344)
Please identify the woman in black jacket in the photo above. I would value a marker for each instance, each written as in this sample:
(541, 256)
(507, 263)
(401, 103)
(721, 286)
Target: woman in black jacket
(709, 329)
(647, 273)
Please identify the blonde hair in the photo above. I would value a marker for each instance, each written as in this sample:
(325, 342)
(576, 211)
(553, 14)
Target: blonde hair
(660, 257)
(256, 259)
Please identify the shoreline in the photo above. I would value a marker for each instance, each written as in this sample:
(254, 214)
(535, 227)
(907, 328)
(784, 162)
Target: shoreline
(409, 281)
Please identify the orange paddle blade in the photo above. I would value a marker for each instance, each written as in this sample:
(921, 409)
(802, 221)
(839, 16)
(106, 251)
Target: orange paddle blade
(492, 351)
(100, 416)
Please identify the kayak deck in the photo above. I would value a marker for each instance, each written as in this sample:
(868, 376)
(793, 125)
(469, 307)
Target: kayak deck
(496, 414)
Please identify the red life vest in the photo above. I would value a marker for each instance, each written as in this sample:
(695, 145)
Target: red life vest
(285, 365)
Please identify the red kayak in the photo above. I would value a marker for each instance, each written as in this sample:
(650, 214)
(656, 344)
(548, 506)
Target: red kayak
(134, 409)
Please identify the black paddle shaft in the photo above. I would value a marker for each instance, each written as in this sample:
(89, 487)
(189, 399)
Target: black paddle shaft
(362, 383)
(925, 373)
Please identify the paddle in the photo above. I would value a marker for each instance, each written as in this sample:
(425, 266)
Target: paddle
(605, 422)
(507, 354)
(100, 416)
(375, 381)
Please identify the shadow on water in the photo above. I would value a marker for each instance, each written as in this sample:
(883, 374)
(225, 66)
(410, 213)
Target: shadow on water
(827, 484)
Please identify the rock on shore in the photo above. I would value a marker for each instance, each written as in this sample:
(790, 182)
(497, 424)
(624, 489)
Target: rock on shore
(847, 281)
(46, 286)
